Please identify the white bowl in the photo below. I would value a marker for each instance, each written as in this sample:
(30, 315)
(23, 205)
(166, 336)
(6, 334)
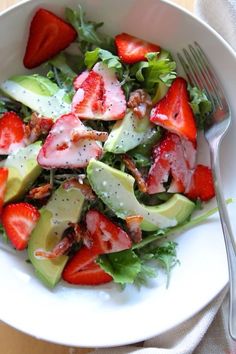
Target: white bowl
(106, 316)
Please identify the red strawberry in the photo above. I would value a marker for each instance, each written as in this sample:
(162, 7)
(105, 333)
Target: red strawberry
(99, 95)
(19, 221)
(3, 185)
(132, 49)
(12, 131)
(60, 149)
(170, 157)
(202, 185)
(80, 260)
(80, 79)
(173, 112)
(48, 35)
(83, 258)
(91, 274)
(106, 236)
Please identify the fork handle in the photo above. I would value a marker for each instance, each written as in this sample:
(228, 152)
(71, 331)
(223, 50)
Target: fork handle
(228, 237)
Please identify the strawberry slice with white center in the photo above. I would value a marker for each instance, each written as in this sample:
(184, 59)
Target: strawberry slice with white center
(107, 237)
(19, 220)
(3, 185)
(80, 79)
(12, 133)
(62, 150)
(171, 158)
(99, 95)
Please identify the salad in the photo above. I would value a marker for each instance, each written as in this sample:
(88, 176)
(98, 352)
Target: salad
(98, 151)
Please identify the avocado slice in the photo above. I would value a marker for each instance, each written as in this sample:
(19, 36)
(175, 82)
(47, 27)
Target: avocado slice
(23, 170)
(116, 189)
(127, 133)
(151, 138)
(63, 208)
(38, 93)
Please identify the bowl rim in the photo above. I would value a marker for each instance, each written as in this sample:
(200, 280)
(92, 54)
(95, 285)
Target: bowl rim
(178, 7)
(181, 9)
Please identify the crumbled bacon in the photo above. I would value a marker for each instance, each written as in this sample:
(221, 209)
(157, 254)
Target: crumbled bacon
(85, 189)
(133, 224)
(129, 163)
(59, 250)
(139, 101)
(89, 134)
(37, 127)
(40, 192)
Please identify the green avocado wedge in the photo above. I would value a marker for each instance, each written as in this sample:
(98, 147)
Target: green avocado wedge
(116, 189)
(63, 208)
(23, 170)
(127, 133)
(38, 93)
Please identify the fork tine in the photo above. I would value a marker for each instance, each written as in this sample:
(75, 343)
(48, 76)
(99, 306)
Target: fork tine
(205, 82)
(198, 78)
(207, 74)
(210, 69)
(192, 72)
(189, 74)
(194, 68)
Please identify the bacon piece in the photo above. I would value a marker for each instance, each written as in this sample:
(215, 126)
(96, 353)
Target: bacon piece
(85, 189)
(88, 134)
(140, 101)
(59, 250)
(40, 192)
(129, 163)
(133, 224)
(37, 126)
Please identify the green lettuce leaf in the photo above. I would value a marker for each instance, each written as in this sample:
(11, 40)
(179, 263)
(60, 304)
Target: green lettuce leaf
(163, 255)
(159, 68)
(201, 106)
(111, 60)
(88, 37)
(60, 62)
(122, 266)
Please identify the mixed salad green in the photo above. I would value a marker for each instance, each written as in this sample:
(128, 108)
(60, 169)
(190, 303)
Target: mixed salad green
(98, 154)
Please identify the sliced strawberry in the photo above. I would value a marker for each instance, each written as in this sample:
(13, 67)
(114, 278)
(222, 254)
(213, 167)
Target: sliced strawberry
(106, 236)
(202, 184)
(80, 260)
(12, 131)
(80, 79)
(92, 274)
(132, 49)
(48, 35)
(62, 150)
(173, 112)
(100, 95)
(89, 93)
(170, 158)
(19, 221)
(3, 185)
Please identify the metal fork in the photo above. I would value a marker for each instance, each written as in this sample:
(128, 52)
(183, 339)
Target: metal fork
(200, 73)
